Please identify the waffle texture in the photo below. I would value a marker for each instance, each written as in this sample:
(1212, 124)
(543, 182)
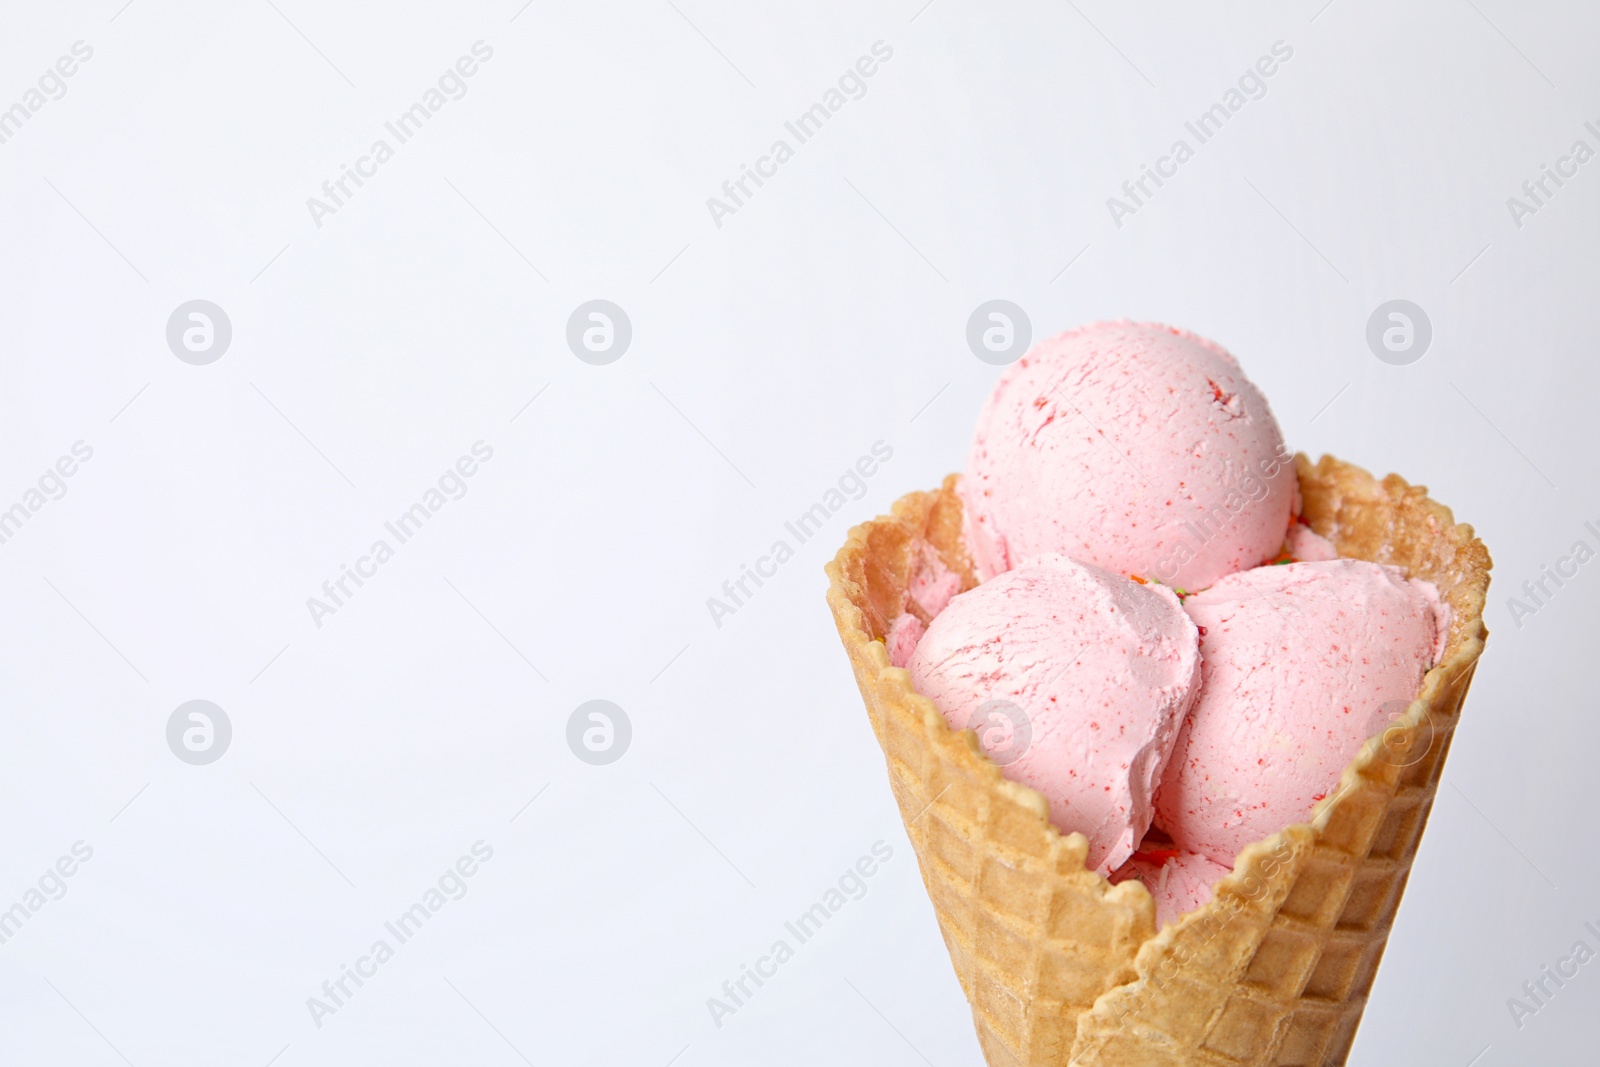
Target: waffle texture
(1063, 969)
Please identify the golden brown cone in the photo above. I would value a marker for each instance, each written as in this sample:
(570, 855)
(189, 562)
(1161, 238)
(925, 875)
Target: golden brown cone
(1061, 968)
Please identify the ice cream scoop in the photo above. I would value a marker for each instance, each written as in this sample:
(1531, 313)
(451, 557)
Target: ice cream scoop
(1178, 881)
(1137, 447)
(1076, 681)
(1300, 664)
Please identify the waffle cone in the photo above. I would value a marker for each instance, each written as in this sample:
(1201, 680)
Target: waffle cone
(1063, 968)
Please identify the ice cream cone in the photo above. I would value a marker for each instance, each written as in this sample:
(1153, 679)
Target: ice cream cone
(1062, 968)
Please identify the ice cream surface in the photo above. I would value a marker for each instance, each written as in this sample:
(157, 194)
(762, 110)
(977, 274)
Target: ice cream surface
(1076, 681)
(1301, 663)
(931, 587)
(1177, 881)
(1308, 546)
(902, 639)
(1137, 447)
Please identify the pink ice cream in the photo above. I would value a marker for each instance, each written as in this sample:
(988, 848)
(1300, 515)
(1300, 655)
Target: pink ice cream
(1076, 681)
(1138, 447)
(932, 585)
(1178, 881)
(1308, 546)
(1301, 663)
(902, 639)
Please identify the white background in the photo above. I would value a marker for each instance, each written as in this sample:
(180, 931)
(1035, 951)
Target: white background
(768, 354)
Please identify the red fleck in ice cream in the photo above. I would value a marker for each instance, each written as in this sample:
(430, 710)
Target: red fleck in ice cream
(1301, 663)
(1076, 680)
(1137, 447)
